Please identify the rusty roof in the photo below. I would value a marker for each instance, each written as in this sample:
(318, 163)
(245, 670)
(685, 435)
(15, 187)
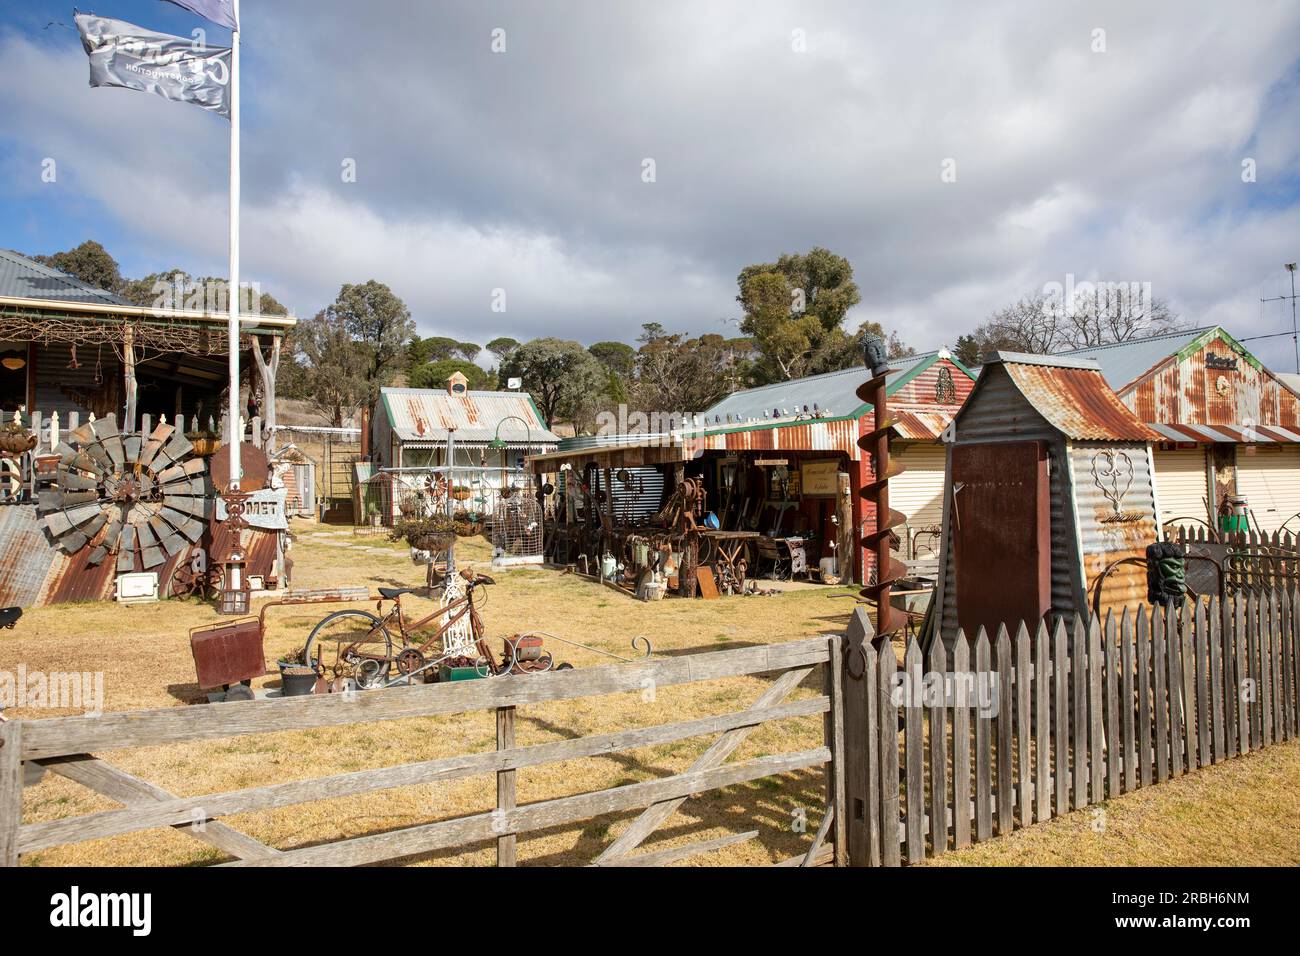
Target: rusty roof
(1073, 396)
(920, 422)
(426, 415)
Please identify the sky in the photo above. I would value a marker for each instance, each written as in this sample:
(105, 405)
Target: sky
(959, 155)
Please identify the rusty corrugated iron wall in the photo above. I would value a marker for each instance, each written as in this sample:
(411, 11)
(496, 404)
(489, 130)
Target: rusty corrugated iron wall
(1186, 390)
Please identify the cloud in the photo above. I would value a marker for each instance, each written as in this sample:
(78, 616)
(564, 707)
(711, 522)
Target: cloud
(522, 170)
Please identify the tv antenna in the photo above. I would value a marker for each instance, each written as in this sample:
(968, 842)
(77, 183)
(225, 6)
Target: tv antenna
(1295, 333)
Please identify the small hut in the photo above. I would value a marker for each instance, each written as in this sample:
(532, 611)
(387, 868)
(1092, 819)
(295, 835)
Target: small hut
(1048, 484)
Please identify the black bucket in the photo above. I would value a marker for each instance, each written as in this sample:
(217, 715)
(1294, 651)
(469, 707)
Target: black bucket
(297, 681)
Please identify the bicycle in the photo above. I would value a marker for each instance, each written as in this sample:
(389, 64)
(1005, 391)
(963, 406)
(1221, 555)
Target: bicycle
(364, 646)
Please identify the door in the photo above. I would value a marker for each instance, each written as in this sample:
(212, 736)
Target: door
(1182, 485)
(918, 494)
(1001, 533)
(1269, 477)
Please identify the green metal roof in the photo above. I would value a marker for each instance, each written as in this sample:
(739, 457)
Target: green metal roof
(24, 278)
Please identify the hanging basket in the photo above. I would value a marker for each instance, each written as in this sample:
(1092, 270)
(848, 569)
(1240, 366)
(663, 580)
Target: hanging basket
(461, 493)
(433, 541)
(468, 529)
(17, 442)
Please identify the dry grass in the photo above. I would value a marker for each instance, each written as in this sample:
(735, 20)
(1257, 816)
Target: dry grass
(1243, 812)
(144, 654)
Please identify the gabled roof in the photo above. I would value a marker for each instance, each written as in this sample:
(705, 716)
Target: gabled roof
(834, 394)
(1122, 363)
(23, 278)
(1071, 393)
(427, 414)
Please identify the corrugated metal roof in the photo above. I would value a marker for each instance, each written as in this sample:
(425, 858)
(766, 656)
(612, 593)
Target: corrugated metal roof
(426, 415)
(834, 393)
(1074, 398)
(1123, 362)
(23, 278)
(919, 423)
(1242, 434)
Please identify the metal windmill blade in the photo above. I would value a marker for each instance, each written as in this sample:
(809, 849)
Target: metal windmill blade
(129, 496)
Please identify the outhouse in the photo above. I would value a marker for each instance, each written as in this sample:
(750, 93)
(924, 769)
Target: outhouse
(1048, 483)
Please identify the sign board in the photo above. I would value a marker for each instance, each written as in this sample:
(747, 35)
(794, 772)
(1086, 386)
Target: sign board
(264, 509)
(819, 478)
(771, 461)
(514, 383)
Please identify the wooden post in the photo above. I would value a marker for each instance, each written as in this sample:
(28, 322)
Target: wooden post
(505, 784)
(835, 793)
(128, 371)
(845, 534)
(861, 821)
(11, 790)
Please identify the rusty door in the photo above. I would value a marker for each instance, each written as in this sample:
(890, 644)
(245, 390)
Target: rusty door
(1001, 534)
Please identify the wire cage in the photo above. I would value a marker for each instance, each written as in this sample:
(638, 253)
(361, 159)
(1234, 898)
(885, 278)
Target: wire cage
(517, 526)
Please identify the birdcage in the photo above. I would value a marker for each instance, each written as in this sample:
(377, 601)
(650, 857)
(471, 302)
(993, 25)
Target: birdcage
(517, 526)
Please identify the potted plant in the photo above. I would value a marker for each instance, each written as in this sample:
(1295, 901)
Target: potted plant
(468, 523)
(297, 677)
(205, 441)
(15, 439)
(432, 533)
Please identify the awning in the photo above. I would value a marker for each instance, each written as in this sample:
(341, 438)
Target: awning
(1228, 434)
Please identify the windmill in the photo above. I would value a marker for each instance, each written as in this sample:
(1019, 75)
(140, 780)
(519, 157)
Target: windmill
(148, 491)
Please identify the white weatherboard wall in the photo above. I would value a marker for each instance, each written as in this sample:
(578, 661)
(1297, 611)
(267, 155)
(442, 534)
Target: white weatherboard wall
(1181, 483)
(918, 493)
(1269, 477)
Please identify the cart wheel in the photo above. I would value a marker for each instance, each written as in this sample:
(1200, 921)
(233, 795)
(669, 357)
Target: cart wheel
(566, 666)
(239, 692)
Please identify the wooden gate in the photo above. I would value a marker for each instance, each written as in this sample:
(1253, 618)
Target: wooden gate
(69, 746)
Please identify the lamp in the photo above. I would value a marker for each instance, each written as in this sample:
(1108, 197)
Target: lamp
(13, 361)
(498, 443)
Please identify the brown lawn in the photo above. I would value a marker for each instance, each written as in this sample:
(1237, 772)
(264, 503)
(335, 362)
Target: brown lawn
(1243, 812)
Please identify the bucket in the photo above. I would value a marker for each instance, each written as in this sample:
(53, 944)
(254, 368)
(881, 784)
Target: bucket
(297, 681)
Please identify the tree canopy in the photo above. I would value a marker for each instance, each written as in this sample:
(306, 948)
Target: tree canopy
(564, 378)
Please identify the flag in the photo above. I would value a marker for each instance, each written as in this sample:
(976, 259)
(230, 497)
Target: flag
(218, 11)
(122, 54)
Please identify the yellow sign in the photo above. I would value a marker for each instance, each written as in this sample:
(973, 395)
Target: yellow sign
(820, 477)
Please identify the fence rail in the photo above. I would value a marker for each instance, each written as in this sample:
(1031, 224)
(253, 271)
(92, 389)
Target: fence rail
(66, 746)
(1032, 726)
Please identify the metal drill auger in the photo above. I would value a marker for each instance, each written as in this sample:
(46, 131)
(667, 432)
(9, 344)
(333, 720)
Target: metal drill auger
(876, 490)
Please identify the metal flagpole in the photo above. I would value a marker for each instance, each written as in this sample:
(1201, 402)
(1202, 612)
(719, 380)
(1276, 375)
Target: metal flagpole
(234, 432)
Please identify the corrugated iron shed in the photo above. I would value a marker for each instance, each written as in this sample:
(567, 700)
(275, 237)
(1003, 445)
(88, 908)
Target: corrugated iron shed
(426, 415)
(1073, 396)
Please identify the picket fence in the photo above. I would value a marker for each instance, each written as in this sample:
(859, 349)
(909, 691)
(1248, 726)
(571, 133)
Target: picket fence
(1035, 725)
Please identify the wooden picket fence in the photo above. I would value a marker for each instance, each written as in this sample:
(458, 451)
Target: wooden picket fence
(72, 748)
(1072, 716)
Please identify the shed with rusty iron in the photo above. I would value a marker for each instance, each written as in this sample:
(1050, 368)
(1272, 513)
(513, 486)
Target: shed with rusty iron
(1049, 482)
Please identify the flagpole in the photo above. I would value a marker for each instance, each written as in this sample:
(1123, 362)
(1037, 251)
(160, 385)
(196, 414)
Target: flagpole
(232, 290)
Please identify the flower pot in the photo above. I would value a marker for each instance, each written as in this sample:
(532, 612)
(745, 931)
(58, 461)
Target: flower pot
(204, 447)
(15, 443)
(296, 680)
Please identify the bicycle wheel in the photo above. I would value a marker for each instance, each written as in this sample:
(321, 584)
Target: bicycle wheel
(355, 640)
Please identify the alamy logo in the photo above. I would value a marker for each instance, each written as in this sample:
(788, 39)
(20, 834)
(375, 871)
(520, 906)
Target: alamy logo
(74, 908)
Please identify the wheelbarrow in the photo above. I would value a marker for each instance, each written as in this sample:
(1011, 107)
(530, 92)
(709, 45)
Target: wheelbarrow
(229, 656)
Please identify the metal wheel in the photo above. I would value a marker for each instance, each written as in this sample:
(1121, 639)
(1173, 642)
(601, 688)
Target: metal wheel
(355, 639)
(409, 660)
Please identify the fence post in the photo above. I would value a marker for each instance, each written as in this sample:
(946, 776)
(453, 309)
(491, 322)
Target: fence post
(861, 784)
(11, 789)
(835, 741)
(505, 785)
